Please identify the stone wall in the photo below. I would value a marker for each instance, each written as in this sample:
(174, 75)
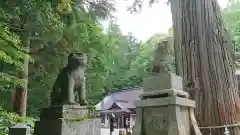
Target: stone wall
(67, 120)
(86, 127)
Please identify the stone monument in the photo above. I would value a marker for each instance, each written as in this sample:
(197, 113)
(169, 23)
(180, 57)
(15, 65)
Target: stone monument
(164, 108)
(19, 129)
(68, 114)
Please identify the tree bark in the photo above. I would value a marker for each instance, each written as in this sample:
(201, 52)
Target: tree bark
(177, 39)
(20, 95)
(19, 101)
(206, 63)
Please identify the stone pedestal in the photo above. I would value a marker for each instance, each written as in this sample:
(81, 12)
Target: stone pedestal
(19, 129)
(67, 120)
(164, 108)
(162, 82)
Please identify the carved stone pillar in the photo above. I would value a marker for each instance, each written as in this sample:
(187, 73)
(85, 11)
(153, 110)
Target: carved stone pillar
(164, 108)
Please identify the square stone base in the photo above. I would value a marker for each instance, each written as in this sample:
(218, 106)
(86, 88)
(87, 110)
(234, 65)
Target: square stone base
(163, 116)
(67, 120)
(56, 112)
(162, 81)
(68, 127)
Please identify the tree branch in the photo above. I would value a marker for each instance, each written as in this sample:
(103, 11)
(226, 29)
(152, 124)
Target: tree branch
(24, 51)
(13, 27)
(36, 38)
(12, 44)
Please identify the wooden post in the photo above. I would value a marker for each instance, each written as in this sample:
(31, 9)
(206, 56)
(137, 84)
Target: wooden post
(112, 116)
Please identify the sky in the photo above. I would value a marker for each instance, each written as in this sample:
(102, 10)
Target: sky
(152, 20)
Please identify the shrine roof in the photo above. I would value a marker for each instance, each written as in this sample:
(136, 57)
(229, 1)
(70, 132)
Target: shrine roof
(123, 98)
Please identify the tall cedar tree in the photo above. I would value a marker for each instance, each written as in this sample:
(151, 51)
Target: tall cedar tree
(204, 61)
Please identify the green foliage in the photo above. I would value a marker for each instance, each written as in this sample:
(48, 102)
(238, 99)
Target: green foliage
(112, 63)
(27, 27)
(94, 10)
(38, 18)
(231, 16)
(8, 120)
(11, 56)
(52, 30)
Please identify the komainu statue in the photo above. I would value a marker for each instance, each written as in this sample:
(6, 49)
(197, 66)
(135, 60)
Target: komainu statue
(69, 87)
(162, 58)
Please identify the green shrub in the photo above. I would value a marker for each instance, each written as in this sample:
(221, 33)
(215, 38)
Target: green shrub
(8, 120)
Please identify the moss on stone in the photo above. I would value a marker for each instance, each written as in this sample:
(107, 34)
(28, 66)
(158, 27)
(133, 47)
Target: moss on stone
(77, 118)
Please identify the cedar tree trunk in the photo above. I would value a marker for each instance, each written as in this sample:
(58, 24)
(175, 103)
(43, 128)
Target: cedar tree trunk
(20, 94)
(19, 101)
(204, 62)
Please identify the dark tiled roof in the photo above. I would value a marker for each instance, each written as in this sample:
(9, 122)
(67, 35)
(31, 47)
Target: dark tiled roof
(115, 111)
(123, 98)
(125, 104)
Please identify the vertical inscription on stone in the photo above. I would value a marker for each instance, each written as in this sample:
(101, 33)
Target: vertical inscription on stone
(155, 121)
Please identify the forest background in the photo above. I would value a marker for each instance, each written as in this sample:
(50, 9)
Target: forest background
(37, 35)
